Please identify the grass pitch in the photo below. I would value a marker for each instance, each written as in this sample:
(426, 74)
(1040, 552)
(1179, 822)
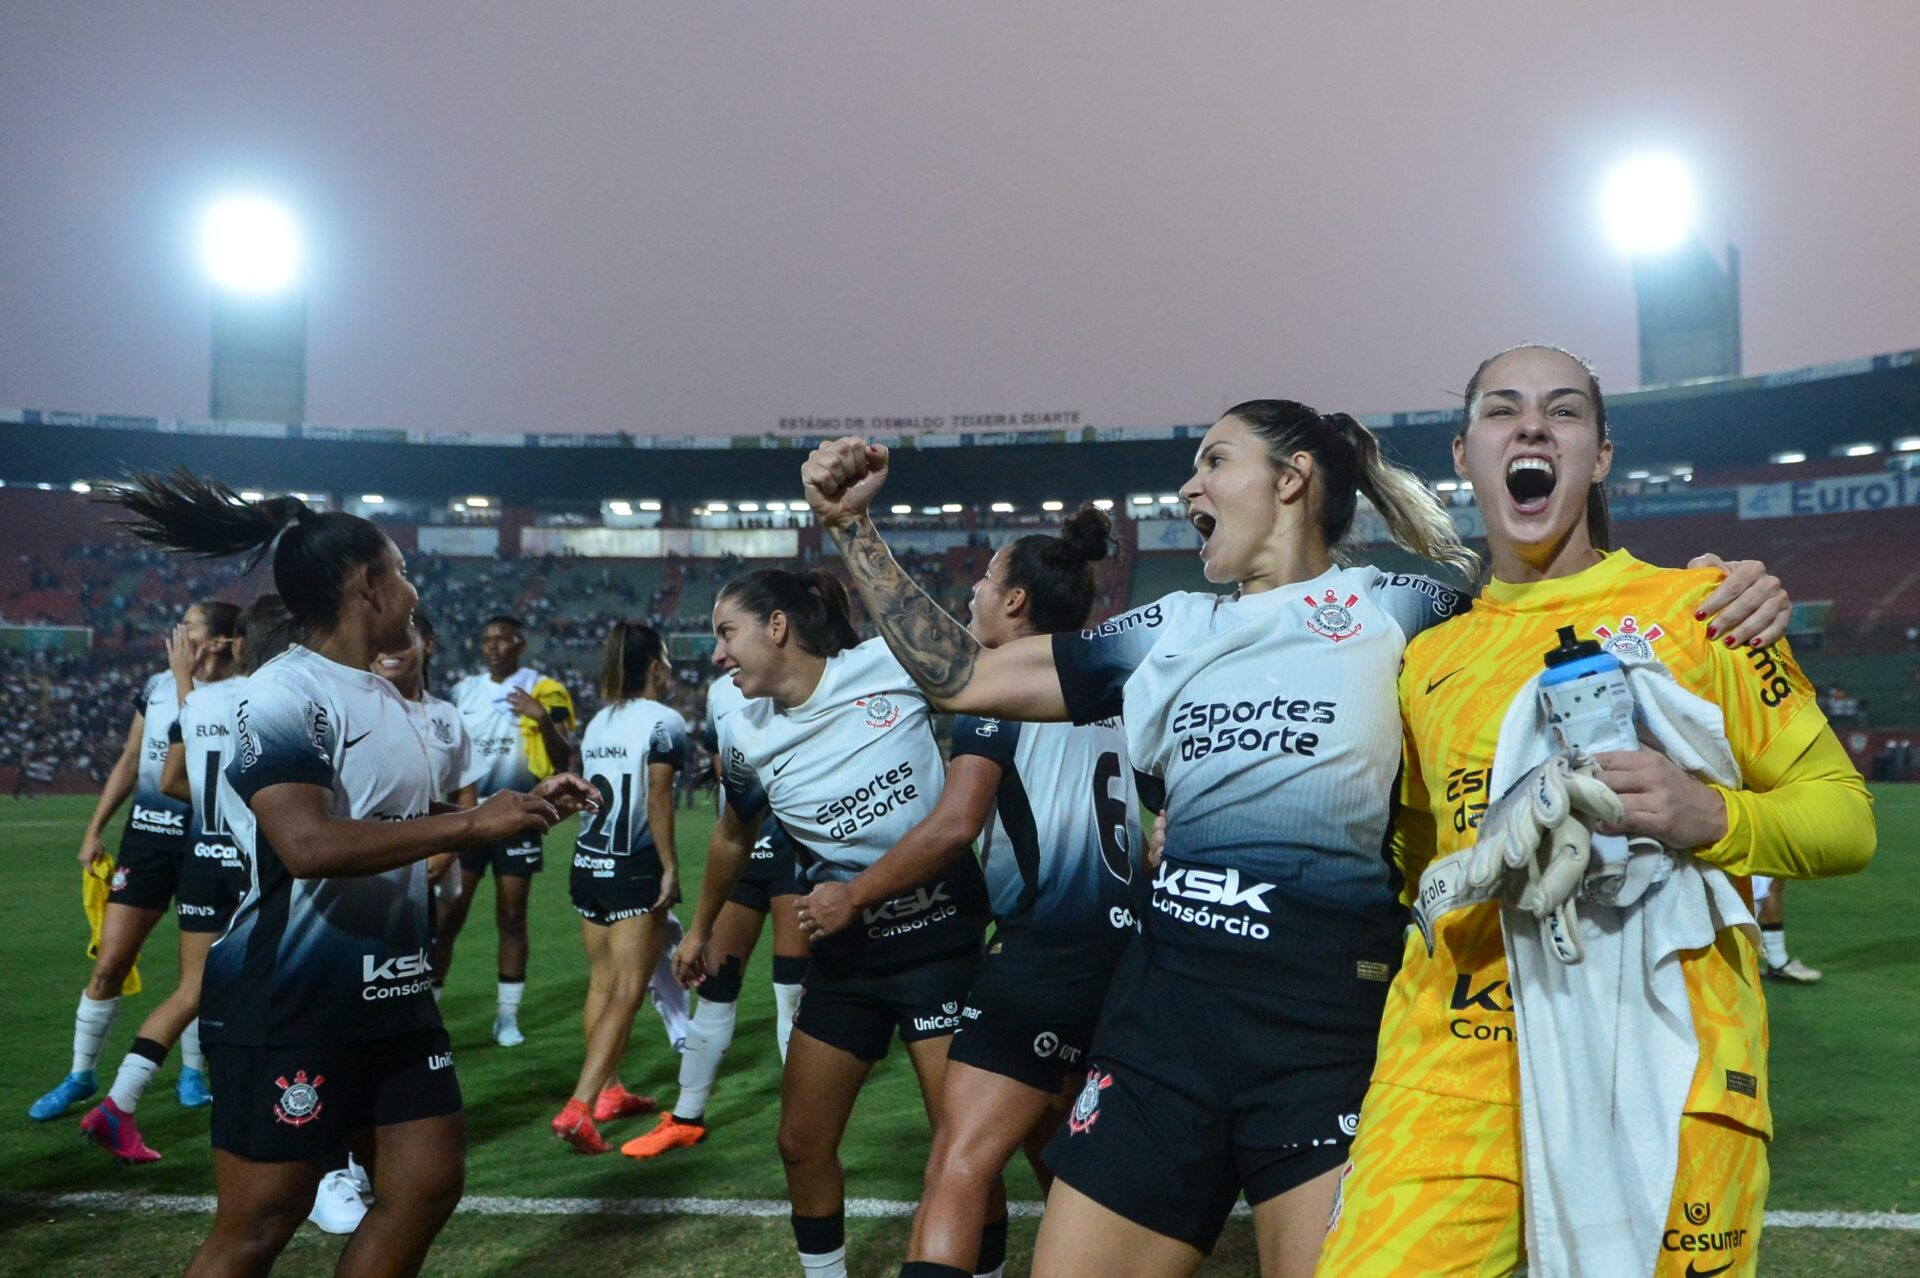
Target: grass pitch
(1843, 1056)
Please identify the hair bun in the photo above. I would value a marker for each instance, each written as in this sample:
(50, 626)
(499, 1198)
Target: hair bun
(1087, 534)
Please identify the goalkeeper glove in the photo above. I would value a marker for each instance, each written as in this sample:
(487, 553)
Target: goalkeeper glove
(1535, 842)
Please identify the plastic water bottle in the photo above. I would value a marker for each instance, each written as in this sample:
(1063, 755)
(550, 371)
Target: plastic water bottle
(1589, 707)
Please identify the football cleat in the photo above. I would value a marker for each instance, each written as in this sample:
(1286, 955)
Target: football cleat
(506, 1031)
(338, 1207)
(1794, 972)
(192, 1089)
(618, 1102)
(670, 1133)
(574, 1125)
(73, 1089)
(113, 1129)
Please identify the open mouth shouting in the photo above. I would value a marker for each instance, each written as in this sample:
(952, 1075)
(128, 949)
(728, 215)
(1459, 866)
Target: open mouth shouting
(1204, 524)
(1530, 483)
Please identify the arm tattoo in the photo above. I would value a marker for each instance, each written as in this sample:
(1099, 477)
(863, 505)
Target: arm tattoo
(935, 649)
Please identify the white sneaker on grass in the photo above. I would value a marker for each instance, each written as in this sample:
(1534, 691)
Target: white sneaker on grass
(506, 1031)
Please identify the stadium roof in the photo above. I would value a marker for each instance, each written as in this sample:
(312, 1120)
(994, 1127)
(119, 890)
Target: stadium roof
(1711, 424)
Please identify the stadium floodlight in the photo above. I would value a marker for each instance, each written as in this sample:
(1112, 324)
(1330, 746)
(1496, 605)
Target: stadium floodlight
(1638, 474)
(252, 494)
(1907, 444)
(1447, 486)
(1141, 499)
(249, 245)
(1003, 508)
(776, 505)
(81, 486)
(1649, 203)
(1860, 450)
(1169, 499)
(650, 505)
(716, 508)
(1103, 503)
(951, 508)
(479, 503)
(620, 507)
(749, 507)
(1791, 457)
(901, 510)
(1053, 505)
(372, 499)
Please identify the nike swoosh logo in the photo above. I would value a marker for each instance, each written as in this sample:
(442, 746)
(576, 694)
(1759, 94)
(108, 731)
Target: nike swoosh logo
(1708, 1273)
(1443, 678)
(350, 744)
(781, 766)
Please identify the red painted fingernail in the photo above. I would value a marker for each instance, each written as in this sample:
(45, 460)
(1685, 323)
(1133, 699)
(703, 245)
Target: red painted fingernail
(1701, 615)
(1729, 641)
(1754, 642)
(1712, 631)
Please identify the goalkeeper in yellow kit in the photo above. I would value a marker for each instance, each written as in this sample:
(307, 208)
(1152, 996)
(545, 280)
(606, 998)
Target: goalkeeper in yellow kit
(1434, 1185)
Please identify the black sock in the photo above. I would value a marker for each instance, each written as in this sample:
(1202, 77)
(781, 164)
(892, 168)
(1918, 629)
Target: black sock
(993, 1247)
(818, 1235)
(155, 1052)
(929, 1269)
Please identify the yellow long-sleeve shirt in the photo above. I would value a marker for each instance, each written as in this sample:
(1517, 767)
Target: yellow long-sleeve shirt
(1804, 813)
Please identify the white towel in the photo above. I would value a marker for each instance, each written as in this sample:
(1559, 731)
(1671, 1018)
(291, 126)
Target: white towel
(1607, 1047)
(669, 999)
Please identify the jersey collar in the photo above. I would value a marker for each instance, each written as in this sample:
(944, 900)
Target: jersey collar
(1596, 581)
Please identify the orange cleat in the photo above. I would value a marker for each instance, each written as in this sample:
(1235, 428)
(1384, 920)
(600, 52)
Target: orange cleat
(575, 1126)
(671, 1133)
(618, 1102)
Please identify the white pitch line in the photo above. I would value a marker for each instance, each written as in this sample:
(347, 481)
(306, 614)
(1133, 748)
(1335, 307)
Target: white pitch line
(766, 1208)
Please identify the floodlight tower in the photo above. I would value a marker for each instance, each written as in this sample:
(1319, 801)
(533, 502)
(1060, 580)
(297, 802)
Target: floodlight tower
(1689, 305)
(251, 252)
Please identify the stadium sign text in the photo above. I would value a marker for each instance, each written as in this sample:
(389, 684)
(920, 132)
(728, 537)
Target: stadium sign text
(1841, 495)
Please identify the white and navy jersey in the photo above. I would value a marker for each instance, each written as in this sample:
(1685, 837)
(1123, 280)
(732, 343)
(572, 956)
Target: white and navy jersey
(771, 859)
(1060, 847)
(1272, 726)
(621, 743)
(846, 773)
(499, 736)
(443, 731)
(333, 959)
(156, 814)
(205, 733)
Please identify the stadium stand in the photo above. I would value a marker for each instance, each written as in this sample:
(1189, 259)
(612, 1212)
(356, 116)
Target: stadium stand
(557, 541)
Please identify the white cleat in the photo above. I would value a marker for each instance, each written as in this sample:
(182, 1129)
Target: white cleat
(338, 1208)
(506, 1031)
(1794, 972)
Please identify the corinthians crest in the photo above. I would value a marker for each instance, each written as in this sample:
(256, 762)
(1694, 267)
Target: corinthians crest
(881, 711)
(1629, 642)
(443, 732)
(1331, 617)
(299, 1102)
(1086, 1110)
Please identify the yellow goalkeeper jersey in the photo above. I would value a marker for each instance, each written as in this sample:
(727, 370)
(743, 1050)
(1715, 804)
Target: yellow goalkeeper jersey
(1449, 1025)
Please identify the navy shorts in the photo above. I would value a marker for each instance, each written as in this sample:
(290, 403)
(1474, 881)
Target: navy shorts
(213, 878)
(146, 874)
(515, 859)
(860, 1013)
(1198, 1092)
(606, 889)
(1029, 1020)
(306, 1104)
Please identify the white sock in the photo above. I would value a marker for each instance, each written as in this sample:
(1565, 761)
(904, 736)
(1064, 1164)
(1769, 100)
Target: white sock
(1773, 942)
(91, 1025)
(827, 1264)
(190, 1054)
(136, 1072)
(358, 1175)
(510, 992)
(708, 1039)
(787, 999)
(1000, 1272)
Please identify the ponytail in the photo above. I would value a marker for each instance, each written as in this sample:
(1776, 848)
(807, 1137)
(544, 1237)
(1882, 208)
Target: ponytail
(1348, 465)
(424, 624)
(1414, 516)
(269, 631)
(633, 648)
(815, 604)
(1057, 571)
(312, 551)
